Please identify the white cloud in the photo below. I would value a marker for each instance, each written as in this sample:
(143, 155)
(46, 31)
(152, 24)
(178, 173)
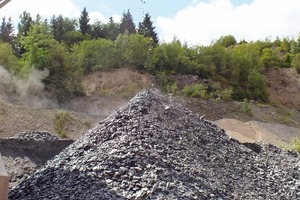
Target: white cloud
(45, 8)
(202, 22)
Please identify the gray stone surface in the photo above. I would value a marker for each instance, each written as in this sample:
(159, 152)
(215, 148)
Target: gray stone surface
(152, 148)
(24, 153)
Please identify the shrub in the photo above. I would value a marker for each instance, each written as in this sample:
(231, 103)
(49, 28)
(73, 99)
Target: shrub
(61, 119)
(246, 106)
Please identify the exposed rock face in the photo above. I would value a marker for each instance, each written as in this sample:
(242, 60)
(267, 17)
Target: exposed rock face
(154, 149)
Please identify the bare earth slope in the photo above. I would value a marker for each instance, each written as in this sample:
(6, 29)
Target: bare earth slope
(284, 87)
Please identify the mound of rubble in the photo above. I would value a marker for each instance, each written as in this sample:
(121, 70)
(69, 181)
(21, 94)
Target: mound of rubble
(36, 135)
(152, 148)
(24, 153)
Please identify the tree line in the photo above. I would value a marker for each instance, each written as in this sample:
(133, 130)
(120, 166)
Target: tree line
(69, 48)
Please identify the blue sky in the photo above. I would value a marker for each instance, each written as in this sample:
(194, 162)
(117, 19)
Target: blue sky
(162, 8)
(192, 21)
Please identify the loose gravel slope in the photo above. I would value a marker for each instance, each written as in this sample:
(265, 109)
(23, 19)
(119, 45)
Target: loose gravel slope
(152, 148)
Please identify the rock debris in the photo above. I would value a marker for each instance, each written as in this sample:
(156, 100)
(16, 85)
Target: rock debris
(144, 151)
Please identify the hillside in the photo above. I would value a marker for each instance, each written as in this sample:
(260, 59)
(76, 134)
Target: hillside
(108, 90)
(154, 148)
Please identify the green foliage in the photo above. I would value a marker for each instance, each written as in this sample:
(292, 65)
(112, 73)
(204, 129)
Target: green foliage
(73, 37)
(227, 41)
(236, 70)
(195, 90)
(94, 54)
(246, 106)
(208, 91)
(133, 51)
(146, 29)
(127, 25)
(61, 120)
(269, 58)
(36, 42)
(7, 58)
(296, 62)
(294, 145)
(176, 58)
(65, 78)
(165, 80)
(111, 30)
(7, 31)
(61, 26)
(42, 51)
(84, 21)
(257, 85)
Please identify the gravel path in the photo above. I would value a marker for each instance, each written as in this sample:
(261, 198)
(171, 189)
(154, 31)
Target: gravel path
(152, 148)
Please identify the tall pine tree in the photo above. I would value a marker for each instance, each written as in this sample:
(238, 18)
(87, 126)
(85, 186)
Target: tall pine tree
(111, 30)
(6, 31)
(60, 26)
(147, 29)
(127, 25)
(84, 22)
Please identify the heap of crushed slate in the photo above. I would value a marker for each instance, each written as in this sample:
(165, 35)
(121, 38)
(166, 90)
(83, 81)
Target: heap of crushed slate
(154, 149)
(36, 135)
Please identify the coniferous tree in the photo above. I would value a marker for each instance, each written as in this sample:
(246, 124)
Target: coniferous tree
(147, 29)
(111, 30)
(7, 29)
(57, 27)
(84, 22)
(97, 30)
(127, 25)
(60, 26)
(24, 25)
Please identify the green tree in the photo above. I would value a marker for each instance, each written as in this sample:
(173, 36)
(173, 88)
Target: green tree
(133, 51)
(269, 58)
(38, 38)
(147, 29)
(227, 41)
(97, 30)
(43, 51)
(73, 37)
(257, 85)
(127, 25)
(84, 20)
(7, 31)
(61, 26)
(24, 25)
(95, 54)
(111, 30)
(296, 62)
(7, 58)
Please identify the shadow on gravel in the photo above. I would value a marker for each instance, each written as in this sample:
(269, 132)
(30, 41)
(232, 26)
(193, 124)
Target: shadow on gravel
(38, 151)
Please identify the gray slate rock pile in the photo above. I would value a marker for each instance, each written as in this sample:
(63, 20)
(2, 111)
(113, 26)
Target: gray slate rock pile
(36, 135)
(24, 153)
(152, 148)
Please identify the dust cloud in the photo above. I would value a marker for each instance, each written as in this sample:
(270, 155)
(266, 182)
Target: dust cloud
(29, 91)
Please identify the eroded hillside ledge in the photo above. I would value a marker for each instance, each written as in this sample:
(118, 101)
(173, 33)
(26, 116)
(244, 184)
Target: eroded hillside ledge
(27, 151)
(152, 148)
